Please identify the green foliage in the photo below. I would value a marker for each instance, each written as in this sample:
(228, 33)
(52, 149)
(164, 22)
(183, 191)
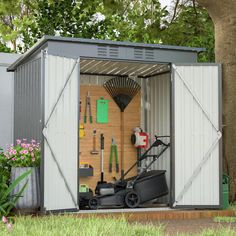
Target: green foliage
(191, 28)
(4, 48)
(8, 201)
(23, 22)
(70, 18)
(5, 168)
(136, 21)
(16, 23)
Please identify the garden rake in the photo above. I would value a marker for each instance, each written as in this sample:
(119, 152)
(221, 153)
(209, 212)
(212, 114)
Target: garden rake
(122, 90)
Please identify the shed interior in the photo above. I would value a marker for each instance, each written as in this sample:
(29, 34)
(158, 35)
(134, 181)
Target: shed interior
(149, 109)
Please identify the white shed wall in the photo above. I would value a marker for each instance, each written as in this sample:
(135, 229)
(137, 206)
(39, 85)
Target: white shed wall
(157, 121)
(6, 99)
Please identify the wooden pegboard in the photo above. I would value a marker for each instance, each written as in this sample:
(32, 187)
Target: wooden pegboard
(112, 129)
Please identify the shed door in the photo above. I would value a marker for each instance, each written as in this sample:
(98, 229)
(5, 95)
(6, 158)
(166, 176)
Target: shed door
(196, 140)
(61, 133)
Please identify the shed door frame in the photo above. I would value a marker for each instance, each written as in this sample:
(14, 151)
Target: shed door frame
(173, 70)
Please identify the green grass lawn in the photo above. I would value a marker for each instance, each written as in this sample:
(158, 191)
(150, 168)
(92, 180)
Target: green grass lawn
(70, 226)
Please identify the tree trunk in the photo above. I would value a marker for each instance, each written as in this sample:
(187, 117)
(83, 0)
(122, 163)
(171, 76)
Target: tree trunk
(223, 14)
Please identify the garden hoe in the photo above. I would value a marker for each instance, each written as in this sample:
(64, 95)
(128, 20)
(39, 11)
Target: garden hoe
(103, 188)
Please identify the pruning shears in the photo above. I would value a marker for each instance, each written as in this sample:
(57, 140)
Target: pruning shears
(88, 108)
(113, 151)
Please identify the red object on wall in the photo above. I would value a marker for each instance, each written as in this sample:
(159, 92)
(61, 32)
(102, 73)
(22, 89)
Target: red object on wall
(139, 139)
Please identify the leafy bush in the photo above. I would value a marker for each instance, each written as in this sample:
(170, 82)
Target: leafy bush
(23, 154)
(8, 201)
(5, 168)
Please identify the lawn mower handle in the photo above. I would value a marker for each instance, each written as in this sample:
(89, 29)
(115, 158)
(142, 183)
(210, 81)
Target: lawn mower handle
(156, 143)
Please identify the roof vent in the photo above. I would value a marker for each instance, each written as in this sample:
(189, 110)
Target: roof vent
(149, 54)
(102, 51)
(114, 52)
(138, 53)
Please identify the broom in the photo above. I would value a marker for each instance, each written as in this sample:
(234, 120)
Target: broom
(122, 90)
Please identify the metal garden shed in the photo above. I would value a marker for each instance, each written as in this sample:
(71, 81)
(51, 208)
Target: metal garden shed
(179, 97)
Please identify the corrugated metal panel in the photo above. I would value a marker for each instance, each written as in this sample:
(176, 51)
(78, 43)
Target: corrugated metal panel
(121, 68)
(27, 104)
(195, 134)
(157, 120)
(99, 80)
(60, 176)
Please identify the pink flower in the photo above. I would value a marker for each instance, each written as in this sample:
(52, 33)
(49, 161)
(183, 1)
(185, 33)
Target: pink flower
(4, 219)
(14, 152)
(33, 159)
(31, 149)
(22, 157)
(22, 152)
(18, 141)
(9, 226)
(23, 145)
(25, 152)
(13, 158)
(33, 141)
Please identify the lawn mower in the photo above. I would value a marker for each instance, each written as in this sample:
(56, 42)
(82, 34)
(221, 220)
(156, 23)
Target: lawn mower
(131, 192)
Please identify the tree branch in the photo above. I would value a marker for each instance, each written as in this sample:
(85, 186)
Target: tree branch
(194, 7)
(175, 11)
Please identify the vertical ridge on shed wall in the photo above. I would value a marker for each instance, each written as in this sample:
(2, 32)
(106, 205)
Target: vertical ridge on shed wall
(158, 119)
(60, 175)
(195, 134)
(27, 105)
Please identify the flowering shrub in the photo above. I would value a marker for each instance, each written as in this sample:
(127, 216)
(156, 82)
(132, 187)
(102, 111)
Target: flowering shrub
(23, 154)
(7, 223)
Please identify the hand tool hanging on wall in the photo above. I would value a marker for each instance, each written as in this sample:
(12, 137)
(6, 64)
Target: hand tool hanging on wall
(122, 90)
(102, 159)
(88, 109)
(103, 188)
(81, 131)
(113, 151)
(94, 151)
(80, 105)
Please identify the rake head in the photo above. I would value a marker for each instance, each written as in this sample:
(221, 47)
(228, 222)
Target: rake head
(122, 90)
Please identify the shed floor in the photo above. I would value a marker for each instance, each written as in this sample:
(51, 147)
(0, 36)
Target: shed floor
(155, 214)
